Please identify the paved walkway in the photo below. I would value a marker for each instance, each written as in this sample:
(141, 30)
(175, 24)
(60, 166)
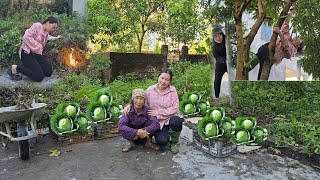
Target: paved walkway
(47, 81)
(103, 159)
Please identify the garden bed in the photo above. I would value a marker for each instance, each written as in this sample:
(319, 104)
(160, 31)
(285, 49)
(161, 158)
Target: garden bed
(292, 152)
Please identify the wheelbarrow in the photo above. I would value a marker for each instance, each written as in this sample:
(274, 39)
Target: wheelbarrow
(24, 115)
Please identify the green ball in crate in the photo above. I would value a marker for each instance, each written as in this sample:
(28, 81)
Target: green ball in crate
(247, 124)
(211, 130)
(64, 125)
(71, 111)
(202, 108)
(189, 108)
(216, 115)
(194, 98)
(104, 100)
(98, 113)
(242, 136)
(115, 113)
(83, 123)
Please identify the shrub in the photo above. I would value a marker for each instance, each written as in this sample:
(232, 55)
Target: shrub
(9, 45)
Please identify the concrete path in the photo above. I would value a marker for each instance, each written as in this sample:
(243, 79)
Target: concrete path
(103, 159)
(47, 81)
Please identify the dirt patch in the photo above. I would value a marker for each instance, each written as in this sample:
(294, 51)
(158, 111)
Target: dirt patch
(292, 152)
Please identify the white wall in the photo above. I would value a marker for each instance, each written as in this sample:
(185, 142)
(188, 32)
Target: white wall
(79, 6)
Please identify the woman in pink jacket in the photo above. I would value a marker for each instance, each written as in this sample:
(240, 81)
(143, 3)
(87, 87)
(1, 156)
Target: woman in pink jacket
(163, 100)
(35, 66)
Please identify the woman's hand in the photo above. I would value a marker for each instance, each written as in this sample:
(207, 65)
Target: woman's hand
(276, 30)
(142, 133)
(59, 36)
(152, 112)
(126, 109)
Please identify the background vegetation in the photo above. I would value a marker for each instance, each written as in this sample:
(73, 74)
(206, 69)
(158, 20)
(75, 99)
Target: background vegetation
(290, 110)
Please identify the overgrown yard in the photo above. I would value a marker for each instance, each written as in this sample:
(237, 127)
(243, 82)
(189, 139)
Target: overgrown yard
(76, 88)
(289, 110)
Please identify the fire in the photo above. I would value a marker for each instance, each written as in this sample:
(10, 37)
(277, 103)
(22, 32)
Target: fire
(73, 57)
(73, 62)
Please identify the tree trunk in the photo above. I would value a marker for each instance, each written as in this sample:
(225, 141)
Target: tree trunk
(244, 43)
(229, 62)
(242, 52)
(140, 38)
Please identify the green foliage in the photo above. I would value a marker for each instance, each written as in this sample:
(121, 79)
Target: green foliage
(67, 88)
(103, 20)
(157, 48)
(4, 4)
(99, 67)
(122, 89)
(276, 97)
(299, 132)
(190, 77)
(184, 20)
(9, 45)
(297, 102)
(59, 6)
(307, 23)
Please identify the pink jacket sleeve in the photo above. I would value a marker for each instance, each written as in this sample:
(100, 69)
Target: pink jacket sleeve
(286, 41)
(172, 110)
(51, 38)
(29, 39)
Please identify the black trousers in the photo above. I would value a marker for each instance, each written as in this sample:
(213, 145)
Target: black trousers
(263, 56)
(34, 66)
(162, 136)
(142, 140)
(221, 68)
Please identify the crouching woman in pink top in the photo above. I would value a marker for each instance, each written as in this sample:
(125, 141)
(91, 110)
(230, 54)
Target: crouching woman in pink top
(163, 100)
(35, 38)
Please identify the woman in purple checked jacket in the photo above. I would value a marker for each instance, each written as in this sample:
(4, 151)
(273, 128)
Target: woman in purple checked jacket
(137, 126)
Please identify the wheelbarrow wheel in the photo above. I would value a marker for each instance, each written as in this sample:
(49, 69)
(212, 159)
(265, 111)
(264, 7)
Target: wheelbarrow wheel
(4, 139)
(24, 149)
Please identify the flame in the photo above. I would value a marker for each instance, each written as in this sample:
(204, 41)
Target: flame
(73, 62)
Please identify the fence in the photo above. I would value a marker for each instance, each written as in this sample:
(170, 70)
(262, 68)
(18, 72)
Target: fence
(144, 64)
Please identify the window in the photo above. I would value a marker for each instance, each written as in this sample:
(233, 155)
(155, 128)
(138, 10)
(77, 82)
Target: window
(266, 32)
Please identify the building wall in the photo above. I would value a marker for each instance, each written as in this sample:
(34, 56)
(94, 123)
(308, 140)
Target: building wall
(79, 6)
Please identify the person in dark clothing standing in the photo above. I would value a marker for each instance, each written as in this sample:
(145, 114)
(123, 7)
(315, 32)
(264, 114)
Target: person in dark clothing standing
(220, 54)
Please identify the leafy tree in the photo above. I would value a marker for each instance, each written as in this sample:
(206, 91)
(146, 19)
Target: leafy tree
(140, 16)
(307, 22)
(183, 20)
(104, 21)
(272, 12)
(121, 21)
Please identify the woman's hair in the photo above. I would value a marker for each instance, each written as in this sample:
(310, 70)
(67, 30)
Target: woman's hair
(51, 20)
(166, 70)
(299, 42)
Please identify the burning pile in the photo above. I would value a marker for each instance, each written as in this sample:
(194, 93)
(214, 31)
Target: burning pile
(73, 58)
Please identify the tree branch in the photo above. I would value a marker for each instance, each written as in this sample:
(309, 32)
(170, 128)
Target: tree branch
(280, 21)
(257, 24)
(242, 7)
